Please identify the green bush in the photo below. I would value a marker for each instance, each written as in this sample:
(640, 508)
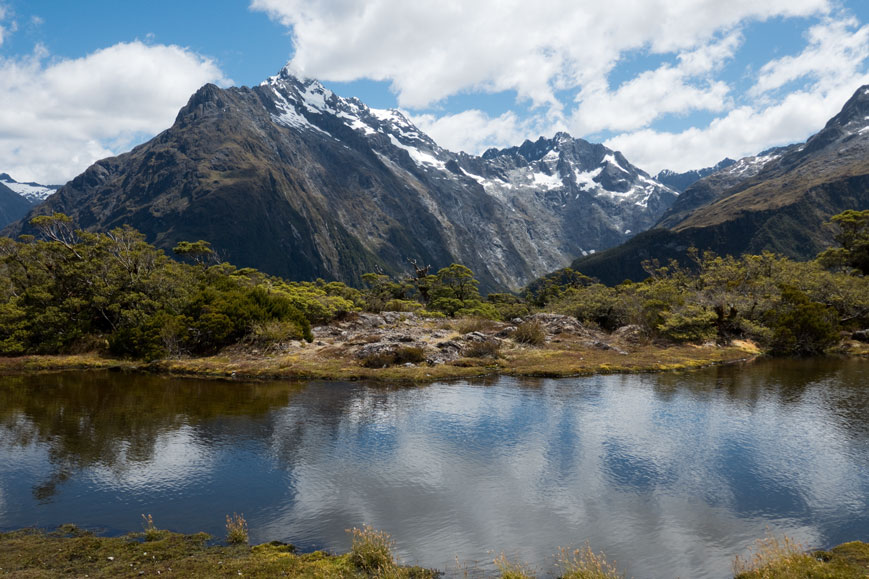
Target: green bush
(802, 327)
(688, 324)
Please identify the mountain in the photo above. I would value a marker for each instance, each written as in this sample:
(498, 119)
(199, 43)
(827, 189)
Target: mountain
(776, 201)
(681, 181)
(292, 179)
(12, 206)
(33, 192)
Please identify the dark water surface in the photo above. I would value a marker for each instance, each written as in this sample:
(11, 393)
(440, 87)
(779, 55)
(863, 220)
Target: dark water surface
(670, 474)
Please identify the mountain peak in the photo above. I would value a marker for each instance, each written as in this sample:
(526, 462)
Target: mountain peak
(855, 112)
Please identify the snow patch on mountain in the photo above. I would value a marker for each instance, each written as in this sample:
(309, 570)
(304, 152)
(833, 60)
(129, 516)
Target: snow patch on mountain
(33, 192)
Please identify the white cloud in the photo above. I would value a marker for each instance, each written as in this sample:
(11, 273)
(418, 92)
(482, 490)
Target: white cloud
(836, 52)
(430, 49)
(474, 131)
(834, 62)
(743, 132)
(6, 28)
(59, 116)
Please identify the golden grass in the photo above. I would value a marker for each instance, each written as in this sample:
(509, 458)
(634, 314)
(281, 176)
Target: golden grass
(586, 564)
(327, 363)
(774, 557)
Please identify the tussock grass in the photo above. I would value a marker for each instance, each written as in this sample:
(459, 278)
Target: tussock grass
(531, 333)
(150, 530)
(586, 564)
(371, 550)
(487, 349)
(471, 324)
(405, 355)
(774, 557)
(236, 529)
(513, 570)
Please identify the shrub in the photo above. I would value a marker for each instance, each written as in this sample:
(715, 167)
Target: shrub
(272, 332)
(402, 306)
(371, 550)
(802, 327)
(236, 529)
(688, 324)
(530, 333)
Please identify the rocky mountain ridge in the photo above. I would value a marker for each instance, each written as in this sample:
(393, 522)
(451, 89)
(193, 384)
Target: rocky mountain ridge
(297, 181)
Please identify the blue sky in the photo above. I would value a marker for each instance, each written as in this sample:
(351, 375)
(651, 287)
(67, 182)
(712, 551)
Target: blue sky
(674, 84)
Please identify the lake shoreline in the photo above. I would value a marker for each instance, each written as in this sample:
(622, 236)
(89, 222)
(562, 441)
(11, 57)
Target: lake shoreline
(71, 550)
(394, 347)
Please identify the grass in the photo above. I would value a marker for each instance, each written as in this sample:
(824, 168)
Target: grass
(404, 355)
(487, 349)
(512, 570)
(70, 551)
(553, 360)
(236, 529)
(530, 333)
(586, 564)
(150, 532)
(782, 558)
(467, 325)
(372, 551)
(35, 554)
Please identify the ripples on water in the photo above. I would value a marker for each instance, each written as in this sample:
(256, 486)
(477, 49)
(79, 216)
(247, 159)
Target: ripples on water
(669, 474)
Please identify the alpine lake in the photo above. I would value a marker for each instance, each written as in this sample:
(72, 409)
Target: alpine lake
(671, 474)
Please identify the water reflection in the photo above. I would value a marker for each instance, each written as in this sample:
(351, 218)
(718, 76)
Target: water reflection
(670, 474)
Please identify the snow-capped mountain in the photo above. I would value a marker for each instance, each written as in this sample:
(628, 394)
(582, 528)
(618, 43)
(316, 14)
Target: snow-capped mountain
(33, 192)
(298, 181)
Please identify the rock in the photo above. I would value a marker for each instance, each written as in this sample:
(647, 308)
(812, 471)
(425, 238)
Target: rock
(558, 324)
(861, 335)
(631, 333)
(506, 332)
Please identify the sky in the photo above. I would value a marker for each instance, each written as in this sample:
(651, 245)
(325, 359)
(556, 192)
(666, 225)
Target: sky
(673, 84)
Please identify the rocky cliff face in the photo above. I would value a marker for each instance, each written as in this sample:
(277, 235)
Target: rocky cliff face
(776, 201)
(292, 179)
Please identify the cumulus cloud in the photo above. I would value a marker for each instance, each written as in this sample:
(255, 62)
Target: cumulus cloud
(57, 116)
(833, 62)
(430, 49)
(475, 131)
(683, 88)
